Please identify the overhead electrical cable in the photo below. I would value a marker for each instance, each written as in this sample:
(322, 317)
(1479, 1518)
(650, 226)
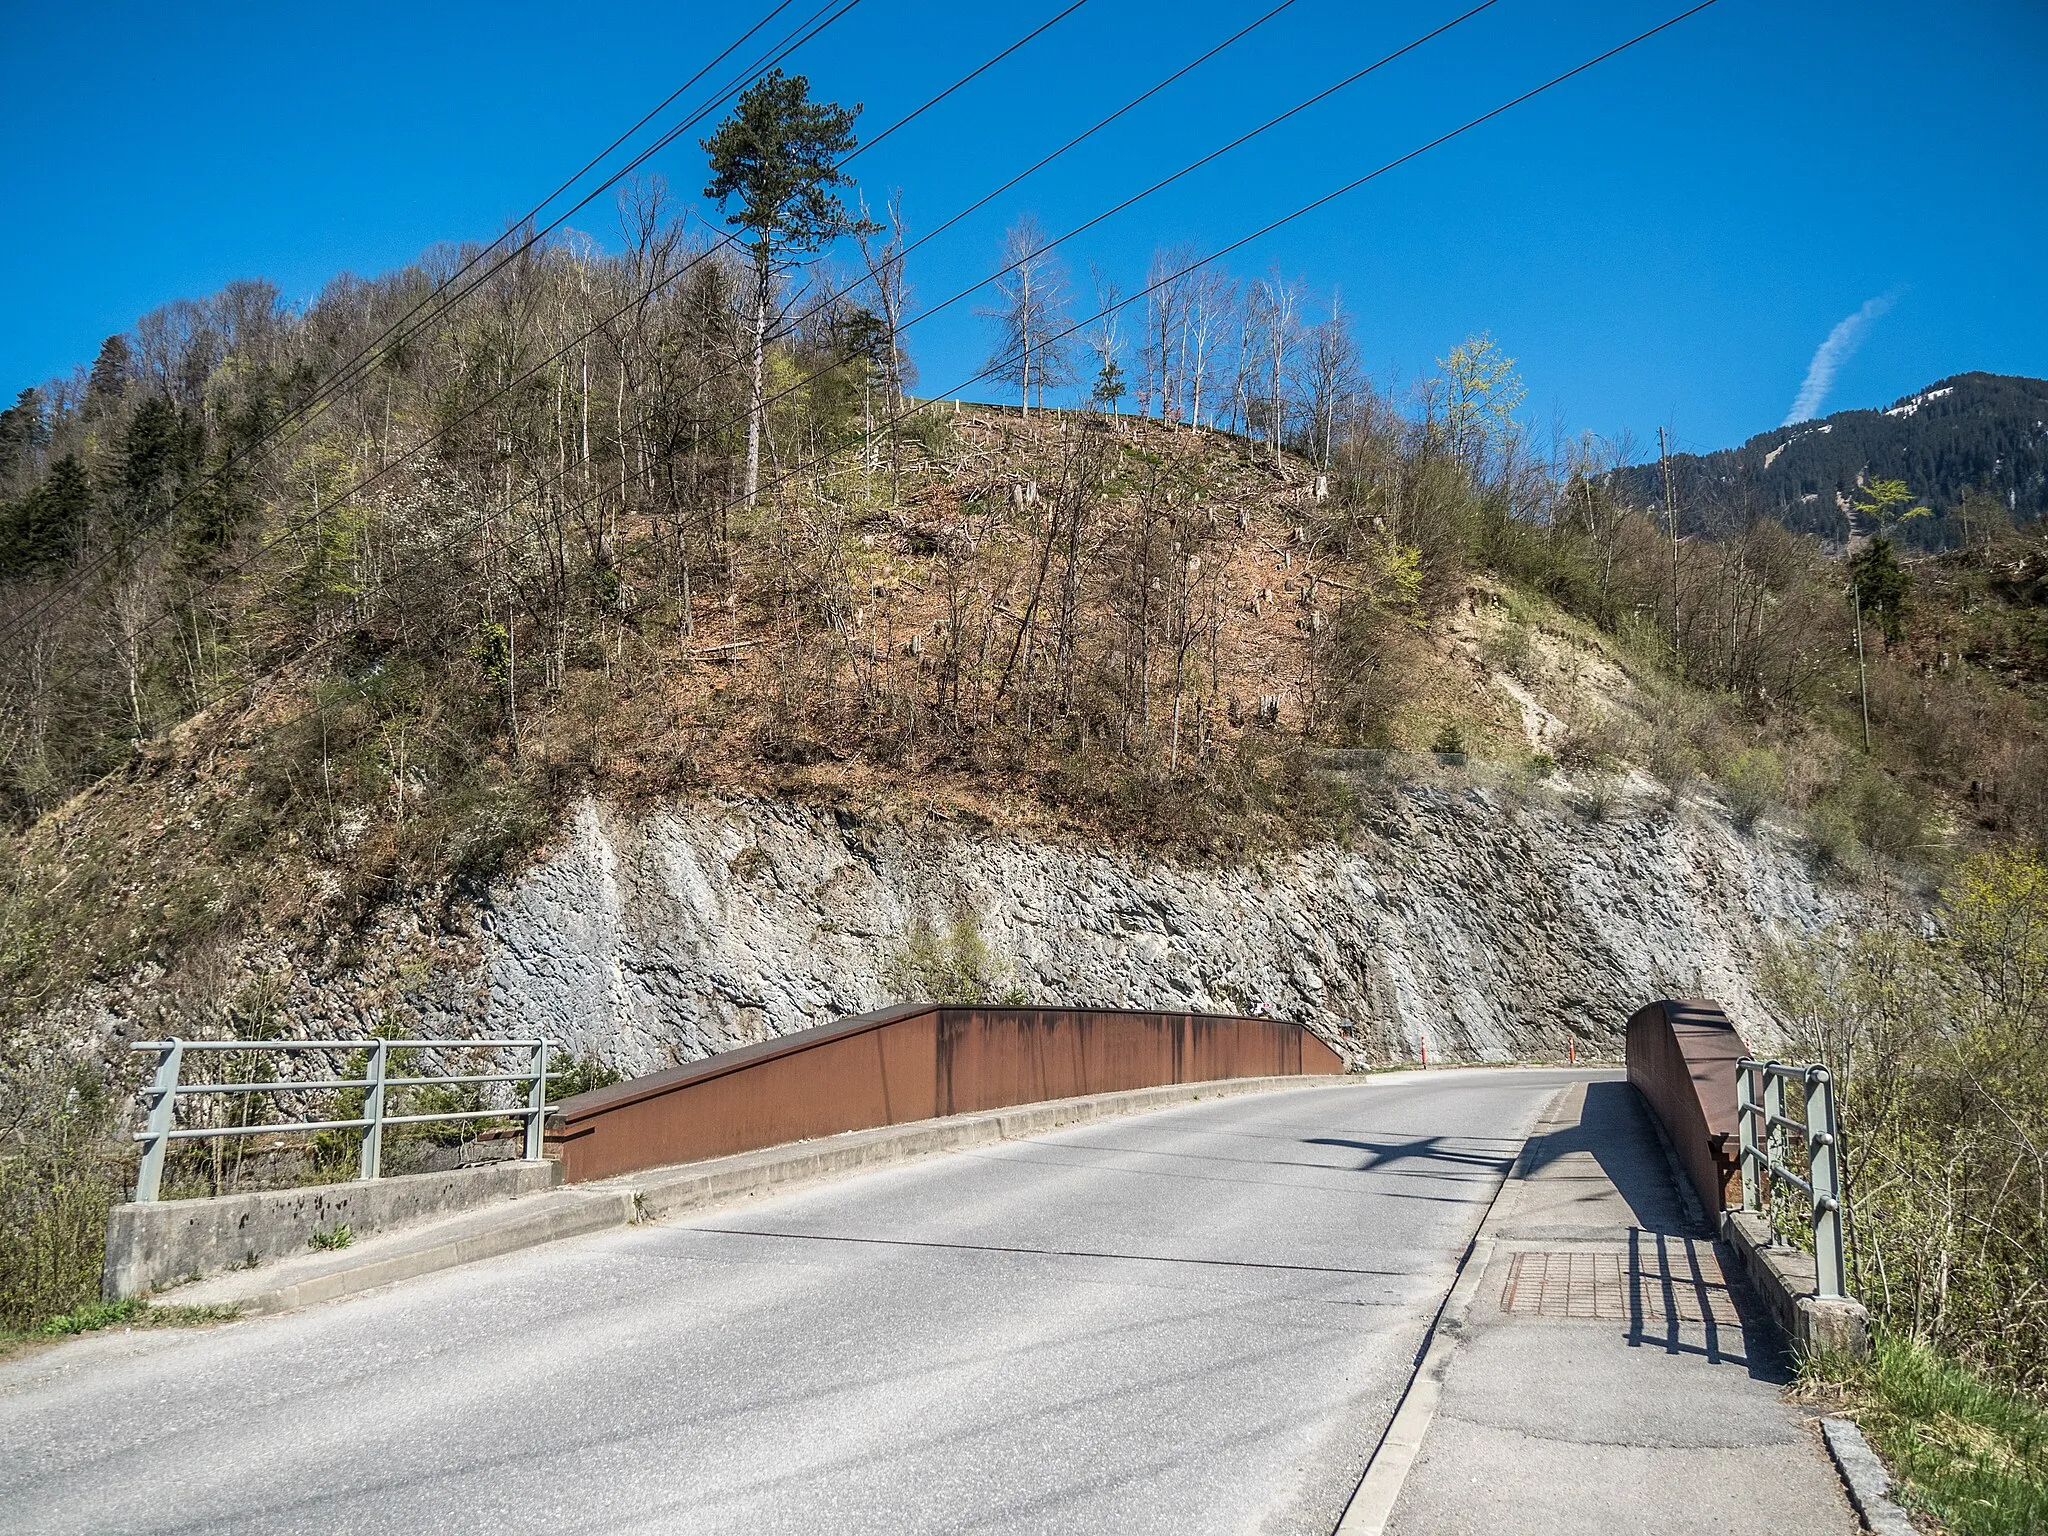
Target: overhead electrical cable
(291, 530)
(440, 302)
(1158, 186)
(1242, 139)
(816, 460)
(294, 527)
(1260, 233)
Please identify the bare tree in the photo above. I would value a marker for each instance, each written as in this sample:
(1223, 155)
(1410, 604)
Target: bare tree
(1106, 341)
(1031, 351)
(1278, 305)
(884, 262)
(1329, 376)
(1211, 297)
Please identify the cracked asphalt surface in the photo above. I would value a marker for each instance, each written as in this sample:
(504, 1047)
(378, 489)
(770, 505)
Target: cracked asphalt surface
(1188, 1321)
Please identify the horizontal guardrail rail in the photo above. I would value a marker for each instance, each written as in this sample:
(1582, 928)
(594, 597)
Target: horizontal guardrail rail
(1764, 1131)
(166, 1088)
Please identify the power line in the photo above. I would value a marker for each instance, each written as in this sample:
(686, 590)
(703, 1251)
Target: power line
(1266, 229)
(1135, 198)
(382, 345)
(294, 527)
(1040, 164)
(1258, 234)
(1157, 186)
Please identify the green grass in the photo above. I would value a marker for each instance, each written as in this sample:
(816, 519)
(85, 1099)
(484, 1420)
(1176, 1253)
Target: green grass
(132, 1313)
(1970, 1455)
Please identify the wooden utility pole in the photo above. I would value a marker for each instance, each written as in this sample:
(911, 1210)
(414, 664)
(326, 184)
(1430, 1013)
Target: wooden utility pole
(1862, 676)
(1671, 522)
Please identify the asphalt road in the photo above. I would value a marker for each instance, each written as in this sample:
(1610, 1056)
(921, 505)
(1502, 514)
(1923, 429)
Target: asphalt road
(1195, 1320)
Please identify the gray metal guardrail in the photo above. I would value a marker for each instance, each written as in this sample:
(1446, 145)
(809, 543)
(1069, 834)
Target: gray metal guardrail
(165, 1089)
(1765, 1132)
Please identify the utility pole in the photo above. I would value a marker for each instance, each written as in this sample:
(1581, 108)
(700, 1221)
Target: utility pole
(1862, 676)
(1671, 522)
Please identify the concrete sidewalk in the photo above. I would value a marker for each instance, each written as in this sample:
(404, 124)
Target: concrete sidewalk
(1608, 1377)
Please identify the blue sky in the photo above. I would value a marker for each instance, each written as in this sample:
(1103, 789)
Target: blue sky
(1667, 240)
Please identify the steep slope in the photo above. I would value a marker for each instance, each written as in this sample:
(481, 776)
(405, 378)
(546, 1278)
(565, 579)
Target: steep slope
(1487, 918)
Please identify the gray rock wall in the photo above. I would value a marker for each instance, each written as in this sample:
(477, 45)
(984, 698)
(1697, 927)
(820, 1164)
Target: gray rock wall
(1494, 925)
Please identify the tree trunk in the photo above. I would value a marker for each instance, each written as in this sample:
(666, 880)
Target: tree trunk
(756, 400)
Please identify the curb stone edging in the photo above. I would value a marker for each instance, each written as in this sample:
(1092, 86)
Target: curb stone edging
(1864, 1476)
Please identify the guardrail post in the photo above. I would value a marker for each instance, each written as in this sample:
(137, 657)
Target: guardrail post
(1825, 1172)
(1749, 1160)
(163, 1089)
(1773, 1137)
(537, 1101)
(373, 1112)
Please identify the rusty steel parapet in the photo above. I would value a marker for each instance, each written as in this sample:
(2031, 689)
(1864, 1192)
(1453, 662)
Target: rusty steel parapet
(1681, 1058)
(917, 1062)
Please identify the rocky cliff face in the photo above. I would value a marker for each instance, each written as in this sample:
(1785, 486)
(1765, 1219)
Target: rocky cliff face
(1495, 924)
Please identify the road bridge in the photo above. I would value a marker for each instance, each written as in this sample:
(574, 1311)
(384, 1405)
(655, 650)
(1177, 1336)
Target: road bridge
(1199, 1319)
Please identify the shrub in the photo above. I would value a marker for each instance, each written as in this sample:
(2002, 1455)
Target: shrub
(61, 1169)
(1508, 650)
(1753, 781)
(1600, 797)
(1889, 819)
(1832, 841)
(1935, 1040)
(955, 967)
(579, 1074)
(1592, 741)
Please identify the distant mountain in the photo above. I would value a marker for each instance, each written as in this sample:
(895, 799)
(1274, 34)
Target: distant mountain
(1978, 435)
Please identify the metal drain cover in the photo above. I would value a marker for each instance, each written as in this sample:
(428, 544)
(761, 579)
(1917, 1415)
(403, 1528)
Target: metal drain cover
(1598, 1285)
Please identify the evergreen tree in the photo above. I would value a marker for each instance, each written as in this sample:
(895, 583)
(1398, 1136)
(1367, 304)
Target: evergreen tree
(41, 530)
(1882, 587)
(777, 156)
(24, 430)
(107, 385)
(157, 449)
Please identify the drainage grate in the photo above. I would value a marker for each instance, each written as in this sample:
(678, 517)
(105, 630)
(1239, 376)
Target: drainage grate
(1682, 1282)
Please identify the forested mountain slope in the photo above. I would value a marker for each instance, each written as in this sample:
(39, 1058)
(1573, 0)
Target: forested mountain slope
(1973, 448)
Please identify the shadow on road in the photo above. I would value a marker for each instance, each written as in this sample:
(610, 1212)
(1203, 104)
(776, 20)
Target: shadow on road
(1615, 1130)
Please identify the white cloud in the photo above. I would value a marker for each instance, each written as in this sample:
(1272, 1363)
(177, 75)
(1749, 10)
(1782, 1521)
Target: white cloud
(1829, 356)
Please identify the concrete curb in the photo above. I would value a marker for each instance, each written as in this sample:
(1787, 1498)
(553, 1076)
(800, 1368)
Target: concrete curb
(1372, 1502)
(1864, 1476)
(1785, 1279)
(579, 1209)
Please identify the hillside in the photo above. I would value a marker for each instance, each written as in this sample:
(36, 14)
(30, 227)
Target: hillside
(477, 705)
(1973, 448)
(280, 719)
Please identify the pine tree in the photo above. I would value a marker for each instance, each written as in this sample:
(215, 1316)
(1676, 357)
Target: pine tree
(24, 430)
(1882, 587)
(156, 453)
(107, 385)
(778, 156)
(41, 530)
